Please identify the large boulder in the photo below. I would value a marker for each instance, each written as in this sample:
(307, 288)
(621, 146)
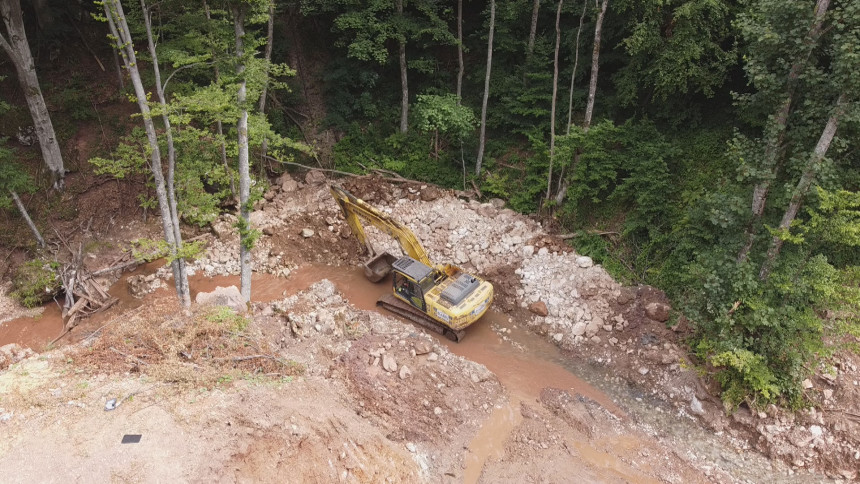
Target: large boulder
(223, 296)
(657, 311)
(539, 308)
(315, 177)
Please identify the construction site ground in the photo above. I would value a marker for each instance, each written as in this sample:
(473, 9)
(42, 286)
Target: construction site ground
(571, 377)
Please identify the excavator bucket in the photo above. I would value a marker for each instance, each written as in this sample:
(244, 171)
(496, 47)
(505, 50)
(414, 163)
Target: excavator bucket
(378, 267)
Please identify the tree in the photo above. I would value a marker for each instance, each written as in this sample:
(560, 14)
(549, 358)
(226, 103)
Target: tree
(121, 36)
(404, 84)
(554, 97)
(592, 92)
(483, 136)
(751, 24)
(14, 43)
(803, 185)
(246, 235)
(460, 67)
(182, 279)
(595, 65)
(674, 48)
(575, 65)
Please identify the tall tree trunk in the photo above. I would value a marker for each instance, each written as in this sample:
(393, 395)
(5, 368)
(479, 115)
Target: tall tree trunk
(533, 29)
(219, 125)
(806, 179)
(244, 162)
(180, 273)
(575, 66)
(776, 134)
(595, 65)
(23, 210)
(270, 37)
(404, 86)
(530, 48)
(125, 45)
(483, 136)
(562, 183)
(554, 97)
(592, 92)
(14, 43)
(460, 67)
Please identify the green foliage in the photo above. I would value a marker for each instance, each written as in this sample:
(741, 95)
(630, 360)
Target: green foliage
(148, 250)
(226, 316)
(444, 115)
(36, 282)
(248, 236)
(745, 373)
(364, 149)
(674, 47)
(12, 177)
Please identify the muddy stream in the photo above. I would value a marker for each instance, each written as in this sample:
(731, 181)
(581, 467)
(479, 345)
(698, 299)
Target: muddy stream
(524, 363)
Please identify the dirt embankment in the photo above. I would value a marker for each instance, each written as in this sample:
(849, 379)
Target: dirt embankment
(315, 387)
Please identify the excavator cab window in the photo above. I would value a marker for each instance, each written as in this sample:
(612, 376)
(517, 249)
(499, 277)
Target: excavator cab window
(409, 291)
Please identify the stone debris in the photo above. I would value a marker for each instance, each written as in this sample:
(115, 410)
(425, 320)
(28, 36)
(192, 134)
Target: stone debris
(223, 296)
(13, 353)
(696, 406)
(141, 285)
(405, 372)
(389, 363)
(539, 308)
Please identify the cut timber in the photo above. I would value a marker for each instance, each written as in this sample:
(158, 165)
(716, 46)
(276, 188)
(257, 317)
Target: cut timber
(403, 309)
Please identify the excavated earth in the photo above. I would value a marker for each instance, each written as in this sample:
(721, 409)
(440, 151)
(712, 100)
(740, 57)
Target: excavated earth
(571, 378)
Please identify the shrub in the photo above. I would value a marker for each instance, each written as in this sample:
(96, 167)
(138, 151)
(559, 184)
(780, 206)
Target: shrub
(36, 282)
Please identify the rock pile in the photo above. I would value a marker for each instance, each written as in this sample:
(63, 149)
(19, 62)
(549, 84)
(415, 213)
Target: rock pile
(568, 294)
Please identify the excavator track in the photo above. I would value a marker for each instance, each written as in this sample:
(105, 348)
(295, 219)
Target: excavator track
(400, 308)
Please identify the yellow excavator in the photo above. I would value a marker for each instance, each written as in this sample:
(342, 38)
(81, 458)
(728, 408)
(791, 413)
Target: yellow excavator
(443, 298)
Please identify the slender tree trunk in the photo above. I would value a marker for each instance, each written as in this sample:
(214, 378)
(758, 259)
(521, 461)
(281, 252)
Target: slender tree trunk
(776, 136)
(530, 48)
(592, 92)
(244, 162)
(483, 136)
(595, 65)
(180, 275)
(124, 44)
(23, 210)
(270, 36)
(575, 66)
(554, 97)
(460, 66)
(118, 67)
(14, 43)
(219, 125)
(404, 86)
(562, 184)
(806, 180)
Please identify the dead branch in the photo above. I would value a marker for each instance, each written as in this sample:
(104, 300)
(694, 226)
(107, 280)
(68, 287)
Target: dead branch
(574, 235)
(478, 191)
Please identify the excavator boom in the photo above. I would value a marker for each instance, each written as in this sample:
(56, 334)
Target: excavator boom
(354, 207)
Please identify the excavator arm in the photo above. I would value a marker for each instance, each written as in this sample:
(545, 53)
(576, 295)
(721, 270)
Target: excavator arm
(356, 209)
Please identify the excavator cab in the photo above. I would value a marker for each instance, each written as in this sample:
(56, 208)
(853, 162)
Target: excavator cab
(412, 280)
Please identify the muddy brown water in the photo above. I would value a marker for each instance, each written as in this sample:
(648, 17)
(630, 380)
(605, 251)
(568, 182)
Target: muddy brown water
(524, 363)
